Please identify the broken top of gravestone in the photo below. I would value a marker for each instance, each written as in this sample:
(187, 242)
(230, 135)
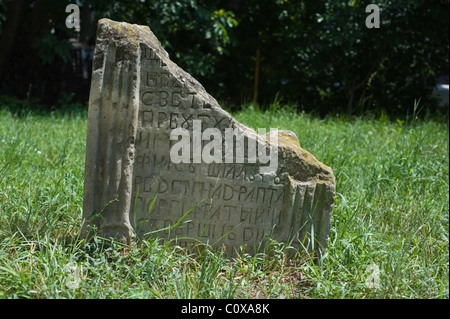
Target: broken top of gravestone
(164, 159)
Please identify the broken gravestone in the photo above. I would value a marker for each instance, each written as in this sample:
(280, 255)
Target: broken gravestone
(164, 159)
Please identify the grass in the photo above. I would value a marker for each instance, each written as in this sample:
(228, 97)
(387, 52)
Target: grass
(390, 221)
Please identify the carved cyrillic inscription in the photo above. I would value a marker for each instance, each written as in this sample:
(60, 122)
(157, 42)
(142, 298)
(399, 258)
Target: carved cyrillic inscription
(161, 152)
(230, 203)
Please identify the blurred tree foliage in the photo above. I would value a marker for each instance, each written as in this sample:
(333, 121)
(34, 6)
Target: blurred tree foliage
(35, 49)
(196, 33)
(318, 54)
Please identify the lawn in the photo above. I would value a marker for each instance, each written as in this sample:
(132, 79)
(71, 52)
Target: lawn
(389, 235)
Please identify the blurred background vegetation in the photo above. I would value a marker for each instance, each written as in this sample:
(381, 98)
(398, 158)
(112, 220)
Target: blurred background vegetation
(317, 55)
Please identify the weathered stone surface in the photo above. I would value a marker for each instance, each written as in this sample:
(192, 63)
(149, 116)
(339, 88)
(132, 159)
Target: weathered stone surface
(141, 104)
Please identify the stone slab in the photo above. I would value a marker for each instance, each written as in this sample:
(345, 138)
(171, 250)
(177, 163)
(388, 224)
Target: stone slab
(143, 108)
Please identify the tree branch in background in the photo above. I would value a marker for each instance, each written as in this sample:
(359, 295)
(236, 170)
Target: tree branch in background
(362, 83)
